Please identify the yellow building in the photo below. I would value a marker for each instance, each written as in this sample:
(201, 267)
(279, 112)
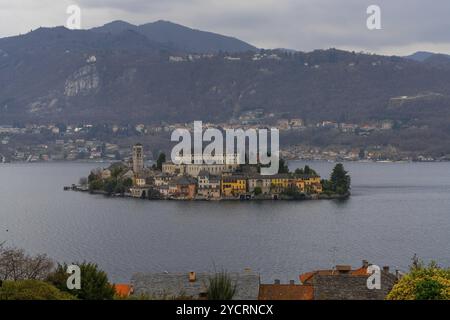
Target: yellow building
(280, 182)
(312, 184)
(300, 184)
(233, 186)
(304, 183)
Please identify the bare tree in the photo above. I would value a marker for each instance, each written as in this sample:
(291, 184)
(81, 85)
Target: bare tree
(15, 264)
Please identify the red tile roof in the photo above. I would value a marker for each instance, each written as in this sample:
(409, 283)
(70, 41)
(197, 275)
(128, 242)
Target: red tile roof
(308, 276)
(123, 290)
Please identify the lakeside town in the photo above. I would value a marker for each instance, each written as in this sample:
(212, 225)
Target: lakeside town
(220, 181)
(110, 142)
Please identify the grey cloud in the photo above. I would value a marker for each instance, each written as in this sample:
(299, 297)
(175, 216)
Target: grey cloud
(297, 24)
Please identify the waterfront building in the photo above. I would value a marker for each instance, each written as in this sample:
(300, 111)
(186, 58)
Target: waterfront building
(183, 187)
(233, 186)
(139, 192)
(280, 182)
(163, 190)
(312, 183)
(208, 185)
(162, 179)
(259, 181)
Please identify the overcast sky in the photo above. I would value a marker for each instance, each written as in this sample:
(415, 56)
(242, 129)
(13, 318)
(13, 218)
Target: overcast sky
(407, 25)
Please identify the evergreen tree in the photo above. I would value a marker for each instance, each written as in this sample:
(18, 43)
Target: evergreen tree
(94, 282)
(340, 180)
(283, 168)
(160, 161)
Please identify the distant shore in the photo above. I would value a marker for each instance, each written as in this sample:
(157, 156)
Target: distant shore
(290, 160)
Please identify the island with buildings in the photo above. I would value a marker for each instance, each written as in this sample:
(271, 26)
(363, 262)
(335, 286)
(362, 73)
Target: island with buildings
(221, 181)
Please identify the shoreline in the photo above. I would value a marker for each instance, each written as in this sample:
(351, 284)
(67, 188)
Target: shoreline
(290, 160)
(254, 199)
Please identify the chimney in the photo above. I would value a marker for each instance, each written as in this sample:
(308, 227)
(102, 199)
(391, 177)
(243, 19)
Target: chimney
(192, 277)
(292, 282)
(386, 269)
(248, 270)
(365, 264)
(277, 281)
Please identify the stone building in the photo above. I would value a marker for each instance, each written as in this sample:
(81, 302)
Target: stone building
(208, 185)
(192, 285)
(138, 159)
(193, 170)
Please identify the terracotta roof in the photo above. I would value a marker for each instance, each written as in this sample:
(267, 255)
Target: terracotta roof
(305, 277)
(343, 283)
(286, 292)
(123, 290)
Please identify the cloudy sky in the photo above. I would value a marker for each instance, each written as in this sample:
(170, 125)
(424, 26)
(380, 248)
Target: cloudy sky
(407, 25)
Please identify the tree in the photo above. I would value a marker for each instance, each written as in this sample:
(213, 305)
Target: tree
(423, 283)
(127, 183)
(294, 193)
(31, 290)
(160, 161)
(15, 264)
(340, 180)
(110, 185)
(92, 177)
(283, 167)
(308, 171)
(94, 282)
(429, 289)
(257, 191)
(116, 171)
(95, 185)
(119, 188)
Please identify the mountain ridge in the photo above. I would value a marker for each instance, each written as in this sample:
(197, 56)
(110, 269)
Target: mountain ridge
(123, 76)
(179, 36)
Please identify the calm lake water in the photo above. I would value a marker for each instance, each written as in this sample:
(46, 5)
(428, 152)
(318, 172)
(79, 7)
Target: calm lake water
(396, 210)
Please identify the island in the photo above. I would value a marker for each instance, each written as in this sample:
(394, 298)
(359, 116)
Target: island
(166, 180)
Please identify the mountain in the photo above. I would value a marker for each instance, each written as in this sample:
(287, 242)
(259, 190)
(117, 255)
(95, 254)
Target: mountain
(180, 37)
(422, 56)
(54, 75)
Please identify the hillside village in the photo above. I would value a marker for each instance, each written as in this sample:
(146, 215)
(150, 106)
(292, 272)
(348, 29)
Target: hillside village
(300, 139)
(220, 181)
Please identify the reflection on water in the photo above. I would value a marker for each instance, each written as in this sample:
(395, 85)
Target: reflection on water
(396, 210)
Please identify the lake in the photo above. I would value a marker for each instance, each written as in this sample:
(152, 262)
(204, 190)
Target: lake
(396, 210)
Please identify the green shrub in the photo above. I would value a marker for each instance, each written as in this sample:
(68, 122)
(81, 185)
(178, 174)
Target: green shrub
(94, 282)
(31, 290)
(423, 283)
(221, 287)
